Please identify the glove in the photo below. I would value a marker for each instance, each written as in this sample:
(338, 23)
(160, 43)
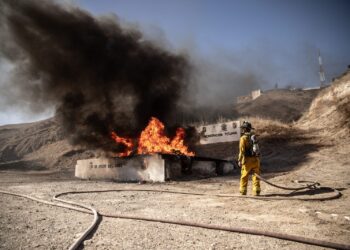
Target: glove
(239, 164)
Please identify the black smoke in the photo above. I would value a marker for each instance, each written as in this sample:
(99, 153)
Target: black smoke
(99, 76)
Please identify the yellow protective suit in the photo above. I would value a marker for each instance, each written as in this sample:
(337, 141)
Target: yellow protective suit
(248, 164)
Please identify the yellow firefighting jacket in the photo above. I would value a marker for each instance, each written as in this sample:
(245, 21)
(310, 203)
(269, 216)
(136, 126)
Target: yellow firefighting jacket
(243, 147)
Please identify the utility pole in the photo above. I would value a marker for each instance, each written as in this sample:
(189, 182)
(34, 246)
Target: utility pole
(322, 75)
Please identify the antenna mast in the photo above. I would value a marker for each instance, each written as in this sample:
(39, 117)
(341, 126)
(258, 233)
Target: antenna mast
(322, 75)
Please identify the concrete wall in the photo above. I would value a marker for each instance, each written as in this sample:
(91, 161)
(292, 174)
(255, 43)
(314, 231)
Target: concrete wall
(143, 168)
(139, 168)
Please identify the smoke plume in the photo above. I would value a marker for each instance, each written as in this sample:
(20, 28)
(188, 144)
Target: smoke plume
(99, 76)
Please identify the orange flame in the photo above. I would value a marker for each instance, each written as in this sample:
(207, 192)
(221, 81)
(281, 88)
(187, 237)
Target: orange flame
(153, 140)
(129, 145)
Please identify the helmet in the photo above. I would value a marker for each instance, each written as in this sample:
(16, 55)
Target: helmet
(246, 125)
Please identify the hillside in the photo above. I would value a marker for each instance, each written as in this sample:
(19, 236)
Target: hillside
(278, 104)
(330, 111)
(42, 144)
(36, 146)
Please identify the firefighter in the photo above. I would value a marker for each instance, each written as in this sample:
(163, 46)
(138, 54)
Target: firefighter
(248, 159)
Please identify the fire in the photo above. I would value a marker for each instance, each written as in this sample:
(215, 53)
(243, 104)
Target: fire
(129, 145)
(153, 140)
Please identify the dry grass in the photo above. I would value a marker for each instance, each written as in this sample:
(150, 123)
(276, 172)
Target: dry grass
(272, 129)
(281, 104)
(330, 111)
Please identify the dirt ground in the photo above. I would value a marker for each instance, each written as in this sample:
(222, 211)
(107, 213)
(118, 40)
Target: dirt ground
(26, 224)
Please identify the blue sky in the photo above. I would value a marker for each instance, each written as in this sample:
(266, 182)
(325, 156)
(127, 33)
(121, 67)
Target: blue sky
(287, 33)
(274, 40)
(233, 24)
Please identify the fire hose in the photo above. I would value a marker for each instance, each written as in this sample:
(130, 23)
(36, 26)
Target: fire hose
(87, 209)
(79, 207)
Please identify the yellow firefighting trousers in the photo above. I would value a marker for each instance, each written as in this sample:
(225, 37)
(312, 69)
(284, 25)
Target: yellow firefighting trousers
(251, 165)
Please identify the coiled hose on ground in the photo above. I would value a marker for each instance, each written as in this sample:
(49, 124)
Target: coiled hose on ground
(86, 209)
(79, 207)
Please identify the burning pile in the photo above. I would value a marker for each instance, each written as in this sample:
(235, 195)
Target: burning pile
(153, 140)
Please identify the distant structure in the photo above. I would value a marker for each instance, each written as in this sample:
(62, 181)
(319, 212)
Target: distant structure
(311, 88)
(322, 75)
(247, 98)
(255, 94)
